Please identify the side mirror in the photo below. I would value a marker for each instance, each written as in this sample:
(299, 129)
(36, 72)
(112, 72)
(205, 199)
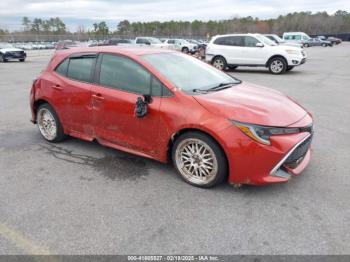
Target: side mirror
(141, 106)
(259, 44)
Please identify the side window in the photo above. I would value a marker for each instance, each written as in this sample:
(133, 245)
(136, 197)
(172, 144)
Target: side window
(250, 41)
(80, 68)
(230, 40)
(122, 73)
(296, 37)
(140, 41)
(62, 68)
(171, 41)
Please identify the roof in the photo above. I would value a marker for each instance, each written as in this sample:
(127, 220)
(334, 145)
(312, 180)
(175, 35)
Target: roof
(127, 50)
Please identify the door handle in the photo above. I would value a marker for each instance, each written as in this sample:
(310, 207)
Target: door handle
(57, 87)
(98, 97)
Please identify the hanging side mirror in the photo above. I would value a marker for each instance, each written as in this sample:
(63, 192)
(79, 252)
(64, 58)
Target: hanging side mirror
(141, 105)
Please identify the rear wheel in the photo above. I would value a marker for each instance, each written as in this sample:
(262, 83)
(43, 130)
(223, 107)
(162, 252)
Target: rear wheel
(324, 45)
(219, 62)
(199, 160)
(277, 65)
(49, 125)
(22, 59)
(306, 45)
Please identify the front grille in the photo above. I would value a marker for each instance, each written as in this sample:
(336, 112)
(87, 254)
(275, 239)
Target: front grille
(298, 154)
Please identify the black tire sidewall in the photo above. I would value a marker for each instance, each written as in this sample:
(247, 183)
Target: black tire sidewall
(185, 50)
(222, 173)
(60, 136)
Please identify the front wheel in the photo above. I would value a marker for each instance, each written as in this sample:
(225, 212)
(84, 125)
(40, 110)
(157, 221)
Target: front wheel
(219, 62)
(185, 50)
(49, 125)
(324, 45)
(199, 160)
(2, 59)
(277, 65)
(22, 59)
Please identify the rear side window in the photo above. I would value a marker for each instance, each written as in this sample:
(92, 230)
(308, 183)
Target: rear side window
(122, 73)
(62, 68)
(230, 41)
(80, 68)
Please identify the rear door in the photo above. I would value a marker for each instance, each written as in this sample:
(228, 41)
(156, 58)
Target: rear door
(120, 81)
(71, 87)
(231, 48)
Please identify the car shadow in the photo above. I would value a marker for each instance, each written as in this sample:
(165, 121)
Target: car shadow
(260, 71)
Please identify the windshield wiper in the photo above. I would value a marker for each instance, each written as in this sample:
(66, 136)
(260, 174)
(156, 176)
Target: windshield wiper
(217, 87)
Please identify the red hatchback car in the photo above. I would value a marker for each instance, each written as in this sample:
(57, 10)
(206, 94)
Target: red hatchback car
(169, 106)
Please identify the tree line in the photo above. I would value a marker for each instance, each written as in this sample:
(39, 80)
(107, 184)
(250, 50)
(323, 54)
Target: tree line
(308, 22)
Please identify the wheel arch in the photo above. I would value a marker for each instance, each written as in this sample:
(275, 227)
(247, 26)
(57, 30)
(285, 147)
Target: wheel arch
(178, 133)
(38, 103)
(216, 56)
(276, 56)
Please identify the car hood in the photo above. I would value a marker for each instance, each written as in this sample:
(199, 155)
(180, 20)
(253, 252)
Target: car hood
(10, 49)
(253, 104)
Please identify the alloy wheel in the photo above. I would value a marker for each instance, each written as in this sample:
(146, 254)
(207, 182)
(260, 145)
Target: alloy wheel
(196, 161)
(277, 66)
(47, 124)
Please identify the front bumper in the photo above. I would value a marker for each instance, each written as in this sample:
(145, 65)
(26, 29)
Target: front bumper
(258, 164)
(295, 60)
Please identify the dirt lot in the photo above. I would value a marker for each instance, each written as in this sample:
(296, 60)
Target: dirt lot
(82, 198)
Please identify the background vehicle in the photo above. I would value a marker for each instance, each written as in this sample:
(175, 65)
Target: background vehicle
(280, 41)
(334, 40)
(150, 41)
(65, 44)
(317, 42)
(117, 41)
(207, 128)
(181, 45)
(252, 50)
(296, 37)
(8, 52)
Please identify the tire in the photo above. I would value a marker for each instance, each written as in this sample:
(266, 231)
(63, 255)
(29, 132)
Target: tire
(185, 50)
(22, 59)
(306, 45)
(2, 59)
(289, 68)
(219, 62)
(277, 65)
(189, 164)
(324, 45)
(52, 130)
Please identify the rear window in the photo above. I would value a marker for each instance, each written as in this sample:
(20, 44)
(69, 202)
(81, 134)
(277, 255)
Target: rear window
(62, 68)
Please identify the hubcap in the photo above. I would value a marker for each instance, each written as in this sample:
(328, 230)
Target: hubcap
(277, 66)
(196, 161)
(219, 64)
(47, 124)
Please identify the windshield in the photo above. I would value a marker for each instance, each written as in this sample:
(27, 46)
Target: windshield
(279, 40)
(265, 40)
(188, 73)
(154, 40)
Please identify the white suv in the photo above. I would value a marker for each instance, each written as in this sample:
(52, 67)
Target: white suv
(181, 45)
(252, 50)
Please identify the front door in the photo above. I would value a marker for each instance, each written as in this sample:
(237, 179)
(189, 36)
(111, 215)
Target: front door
(120, 82)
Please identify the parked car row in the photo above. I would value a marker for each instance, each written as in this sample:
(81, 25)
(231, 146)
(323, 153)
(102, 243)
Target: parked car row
(307, 41)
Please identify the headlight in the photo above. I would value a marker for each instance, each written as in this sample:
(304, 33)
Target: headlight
(292, 52)
(261, 134)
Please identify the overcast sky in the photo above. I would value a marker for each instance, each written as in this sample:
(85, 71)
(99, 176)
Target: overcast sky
(86, 12)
